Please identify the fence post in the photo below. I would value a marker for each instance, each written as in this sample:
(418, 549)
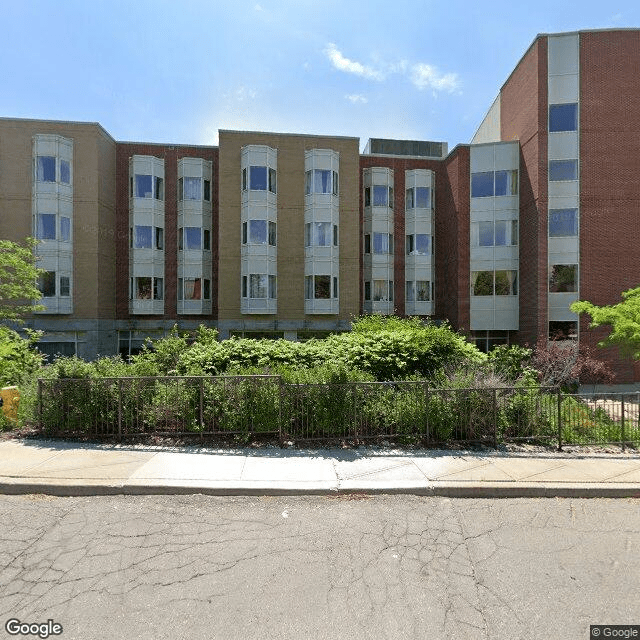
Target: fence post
(40, 404)
(495, 418)
(280, 392)
(559, 419)
(426, 395)
(201, 409)
(120, 409)
(622, 431)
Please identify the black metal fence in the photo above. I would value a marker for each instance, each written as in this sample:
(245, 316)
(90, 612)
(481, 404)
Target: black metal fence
(266, 406)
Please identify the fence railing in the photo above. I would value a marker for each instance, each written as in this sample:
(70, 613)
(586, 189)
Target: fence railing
(266, 406)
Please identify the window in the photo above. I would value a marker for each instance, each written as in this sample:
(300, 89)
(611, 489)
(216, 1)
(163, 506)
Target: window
(146, 288)
(482, 184)
(46, 169)
(142, 237)
(563, 222)
(190, 239)
(506, 183)
(487, 340)
(418, 244)
(383, 291)
(335, 287)
(143, 186)
(258, 285)
(506, 233)
(409, 200)
(423, 197)
(272, 234)
(244, 181)
(191, 189)
(258, 231)
(382, 196)
(367, 196)
(494, 183)
(335, 235)
(382, 243)
(64, 286)
(506, 283)
(317, 287)
(244, 286)
(563, 278)
(317, 234)
(318, 181)
(485, 234)
(46, 229)
(560, 170)
(159, 238)
(207, 240)
(563, 330)
(423, 289)
(244, 233)
(207, 190)
(500, 233)
(367, 290)
(192, 288)
(418, 198)
(500, 283)
(65, 229)
(482, 283)
(563, 117)
(258, 178)
(272, 180)
(47, 284)
(409, 294)
(418, 291)
(157, 288)
(206, 293)
(159, 188)
(65, 172)
(367, 243)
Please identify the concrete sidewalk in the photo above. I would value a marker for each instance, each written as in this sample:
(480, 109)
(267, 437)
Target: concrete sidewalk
(63, 468)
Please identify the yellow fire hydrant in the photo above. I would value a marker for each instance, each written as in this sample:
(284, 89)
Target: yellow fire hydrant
(10, 400)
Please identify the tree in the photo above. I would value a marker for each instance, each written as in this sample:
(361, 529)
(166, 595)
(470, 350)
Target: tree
(624, 319)
(18, 274)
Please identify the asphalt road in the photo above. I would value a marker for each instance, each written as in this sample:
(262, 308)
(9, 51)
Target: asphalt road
(319, 567)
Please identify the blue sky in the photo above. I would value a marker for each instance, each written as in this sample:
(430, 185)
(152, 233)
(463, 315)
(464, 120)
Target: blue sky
(178, 71)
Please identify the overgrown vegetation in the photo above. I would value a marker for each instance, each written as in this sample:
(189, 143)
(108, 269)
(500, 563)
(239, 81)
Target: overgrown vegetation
(436, 387)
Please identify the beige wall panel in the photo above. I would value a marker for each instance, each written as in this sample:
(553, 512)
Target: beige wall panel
(90, 142)
(291, 150)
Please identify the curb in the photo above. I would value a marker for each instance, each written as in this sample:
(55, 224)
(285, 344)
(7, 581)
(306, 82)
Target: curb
(449, 490)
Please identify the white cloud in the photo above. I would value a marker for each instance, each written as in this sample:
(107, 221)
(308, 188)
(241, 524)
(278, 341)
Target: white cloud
(356, 98)
(349, 66)
(425, 76)
(421, 74)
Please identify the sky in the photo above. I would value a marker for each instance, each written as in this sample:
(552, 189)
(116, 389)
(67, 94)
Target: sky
(178, 71)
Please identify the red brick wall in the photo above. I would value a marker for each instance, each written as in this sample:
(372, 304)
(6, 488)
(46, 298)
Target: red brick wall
(523, 116)
(609, 177)
(452, 236)
(171, 155)
(399, 165)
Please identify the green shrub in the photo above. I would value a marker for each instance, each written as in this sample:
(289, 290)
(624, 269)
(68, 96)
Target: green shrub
(19, 358)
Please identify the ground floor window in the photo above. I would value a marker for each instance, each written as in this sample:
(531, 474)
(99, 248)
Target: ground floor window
(487, 340)
(55, 350)
(563, 330)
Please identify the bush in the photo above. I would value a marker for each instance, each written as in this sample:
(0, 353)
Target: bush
(19, 358)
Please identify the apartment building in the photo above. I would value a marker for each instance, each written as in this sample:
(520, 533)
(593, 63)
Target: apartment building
(291, 235)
